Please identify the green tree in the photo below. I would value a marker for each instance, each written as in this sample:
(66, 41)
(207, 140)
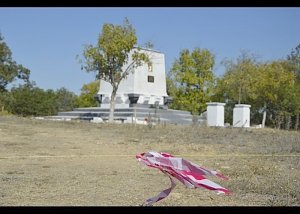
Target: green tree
(191, 79)
(5, 101)
(9, 69)
(296, 103)
(294, 64)
(272, 87)
(236, 83)
(294, 60)
(86, 97)
(267, 87)
(29, 100)
(114, 57)
(65, 100)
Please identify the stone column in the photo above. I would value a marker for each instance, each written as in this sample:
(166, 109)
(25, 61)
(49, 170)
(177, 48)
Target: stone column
(241, 115)
(215, 114)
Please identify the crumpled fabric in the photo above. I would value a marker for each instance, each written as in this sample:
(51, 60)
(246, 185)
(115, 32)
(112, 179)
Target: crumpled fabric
(188, 173)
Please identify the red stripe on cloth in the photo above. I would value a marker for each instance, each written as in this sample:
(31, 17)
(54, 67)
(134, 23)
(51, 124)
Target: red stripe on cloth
(188, 173)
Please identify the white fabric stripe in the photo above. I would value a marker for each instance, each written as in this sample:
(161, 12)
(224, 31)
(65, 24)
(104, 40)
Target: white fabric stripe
(205, 182)
(176, 167)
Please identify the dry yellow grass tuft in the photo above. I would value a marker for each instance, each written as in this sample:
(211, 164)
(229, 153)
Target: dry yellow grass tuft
(79, 163)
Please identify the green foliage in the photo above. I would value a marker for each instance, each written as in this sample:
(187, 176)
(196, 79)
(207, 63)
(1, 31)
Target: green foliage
(9, 69)
(236, 83)
(65, 100)
(86, 97)
(271, 79)
(28, 100)
(191, 80)
(294, 61)
(109, 58)
(293, 64)
(269, 88)
(272, 87)
(5, 100)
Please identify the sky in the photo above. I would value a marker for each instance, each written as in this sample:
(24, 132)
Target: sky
(47, 40)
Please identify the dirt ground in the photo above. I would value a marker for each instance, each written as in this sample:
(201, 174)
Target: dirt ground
(55, 163)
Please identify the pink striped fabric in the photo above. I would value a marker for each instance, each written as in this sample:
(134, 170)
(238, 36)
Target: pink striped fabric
(188, 173)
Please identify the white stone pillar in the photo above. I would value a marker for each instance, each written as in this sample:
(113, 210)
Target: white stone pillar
(215, 114)
(241, 115)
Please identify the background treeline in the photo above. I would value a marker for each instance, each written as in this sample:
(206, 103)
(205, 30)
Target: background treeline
(272, 88)
(30, 100)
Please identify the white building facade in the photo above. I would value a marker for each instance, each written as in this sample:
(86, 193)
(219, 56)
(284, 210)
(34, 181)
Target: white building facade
(145, 86)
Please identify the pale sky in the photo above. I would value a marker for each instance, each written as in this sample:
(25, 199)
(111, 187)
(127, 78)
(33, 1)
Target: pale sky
(47, 40)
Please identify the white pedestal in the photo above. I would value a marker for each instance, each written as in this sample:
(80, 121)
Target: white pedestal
(215, 114)
(241, 115)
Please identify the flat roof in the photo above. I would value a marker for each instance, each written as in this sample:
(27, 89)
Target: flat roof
(148, 49)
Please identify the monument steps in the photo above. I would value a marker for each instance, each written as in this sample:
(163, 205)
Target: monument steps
(162, 115)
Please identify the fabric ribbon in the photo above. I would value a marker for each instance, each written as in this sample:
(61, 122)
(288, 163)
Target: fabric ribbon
(188, 173)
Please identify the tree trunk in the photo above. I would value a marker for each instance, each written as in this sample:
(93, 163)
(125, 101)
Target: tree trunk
(287, 121)
(297, 121)
(264, 115)
(112, 106)
(240, 94)
(280, 120)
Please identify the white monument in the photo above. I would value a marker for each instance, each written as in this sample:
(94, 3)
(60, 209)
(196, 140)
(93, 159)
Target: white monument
(215, 114)
(141, 97)
(145, 86)
(241, 115)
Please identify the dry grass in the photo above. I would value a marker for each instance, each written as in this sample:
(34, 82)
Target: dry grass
(78, 163)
